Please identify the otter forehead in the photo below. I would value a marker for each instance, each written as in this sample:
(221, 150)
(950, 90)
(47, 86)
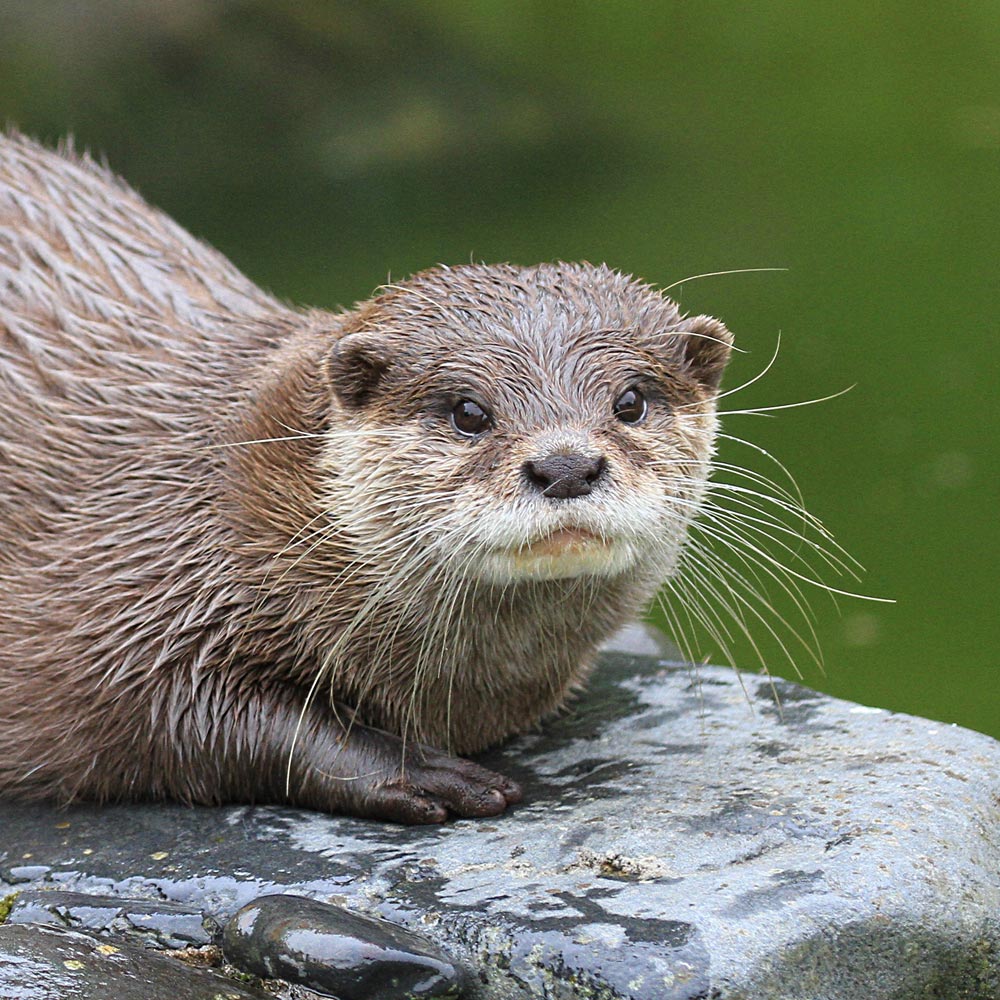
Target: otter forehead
(548, 341)
(546, 308)
(556, 334)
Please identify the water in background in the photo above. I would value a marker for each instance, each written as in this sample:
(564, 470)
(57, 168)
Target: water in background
(328, 145)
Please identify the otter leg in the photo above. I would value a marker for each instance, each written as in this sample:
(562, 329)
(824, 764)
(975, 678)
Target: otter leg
(264, 745)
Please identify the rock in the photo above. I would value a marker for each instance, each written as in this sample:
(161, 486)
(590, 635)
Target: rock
(681, 837)
(335, 952)
(166, 925)
(48, 963)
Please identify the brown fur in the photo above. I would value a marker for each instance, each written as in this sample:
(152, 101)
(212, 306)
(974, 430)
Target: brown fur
(242, 549)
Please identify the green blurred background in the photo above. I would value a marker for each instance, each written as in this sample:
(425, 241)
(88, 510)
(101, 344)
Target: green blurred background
(327, 145)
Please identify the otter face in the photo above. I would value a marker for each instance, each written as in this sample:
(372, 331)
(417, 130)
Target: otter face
(523, 424)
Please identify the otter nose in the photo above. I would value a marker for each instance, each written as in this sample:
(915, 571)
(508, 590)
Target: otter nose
(562, 477)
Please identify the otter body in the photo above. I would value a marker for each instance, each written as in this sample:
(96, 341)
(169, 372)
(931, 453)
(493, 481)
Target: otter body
(251, 553)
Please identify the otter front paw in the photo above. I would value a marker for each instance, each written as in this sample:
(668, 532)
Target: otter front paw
(430, 784)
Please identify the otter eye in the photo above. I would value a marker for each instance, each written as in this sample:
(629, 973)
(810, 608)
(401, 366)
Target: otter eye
(469, 418)
(630, 407)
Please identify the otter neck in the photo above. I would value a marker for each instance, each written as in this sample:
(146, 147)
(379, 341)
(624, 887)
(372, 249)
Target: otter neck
(538, 639)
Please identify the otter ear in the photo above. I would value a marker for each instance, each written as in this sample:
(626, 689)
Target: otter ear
(705, 349)
(355, 367)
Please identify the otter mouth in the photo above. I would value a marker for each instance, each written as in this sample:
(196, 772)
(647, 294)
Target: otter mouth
(561, 542)
(559, 554)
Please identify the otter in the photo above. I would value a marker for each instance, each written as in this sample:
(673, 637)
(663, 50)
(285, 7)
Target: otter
(255, 553)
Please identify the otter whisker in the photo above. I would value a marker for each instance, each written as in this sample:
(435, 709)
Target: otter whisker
(764, 410)
(730, 576)
(735, 612)
(327, 669)
(722, 436)
(756, 378)
(767, 557)
(444, 637)
(714, 488)
(776, 573)
(268, 440)
(719, 274)
(758, 522)
(728, 468)
(696, 612)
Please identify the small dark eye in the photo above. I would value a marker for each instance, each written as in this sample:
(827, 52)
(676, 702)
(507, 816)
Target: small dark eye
(469, 418)
(630, 407)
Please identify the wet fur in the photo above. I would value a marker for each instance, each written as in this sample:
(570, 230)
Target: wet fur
(239, 541)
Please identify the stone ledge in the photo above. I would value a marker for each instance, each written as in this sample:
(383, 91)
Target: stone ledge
(680, 837)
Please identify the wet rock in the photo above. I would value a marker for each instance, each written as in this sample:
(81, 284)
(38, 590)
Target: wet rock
(48, 963)
(167, 925)
(336, 952)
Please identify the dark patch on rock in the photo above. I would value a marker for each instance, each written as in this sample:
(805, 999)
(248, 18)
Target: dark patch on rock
(586, 720)
(771, 748)
(873, 760)
(673, 749)
(783, 887)
(148, 839)
(743, 818)
(789, 703)
(670, 933)
(653, 720)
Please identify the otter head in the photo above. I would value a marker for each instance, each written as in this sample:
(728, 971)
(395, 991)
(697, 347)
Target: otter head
(513, 424)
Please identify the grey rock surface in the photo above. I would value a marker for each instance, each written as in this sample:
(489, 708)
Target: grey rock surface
(681, 837)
